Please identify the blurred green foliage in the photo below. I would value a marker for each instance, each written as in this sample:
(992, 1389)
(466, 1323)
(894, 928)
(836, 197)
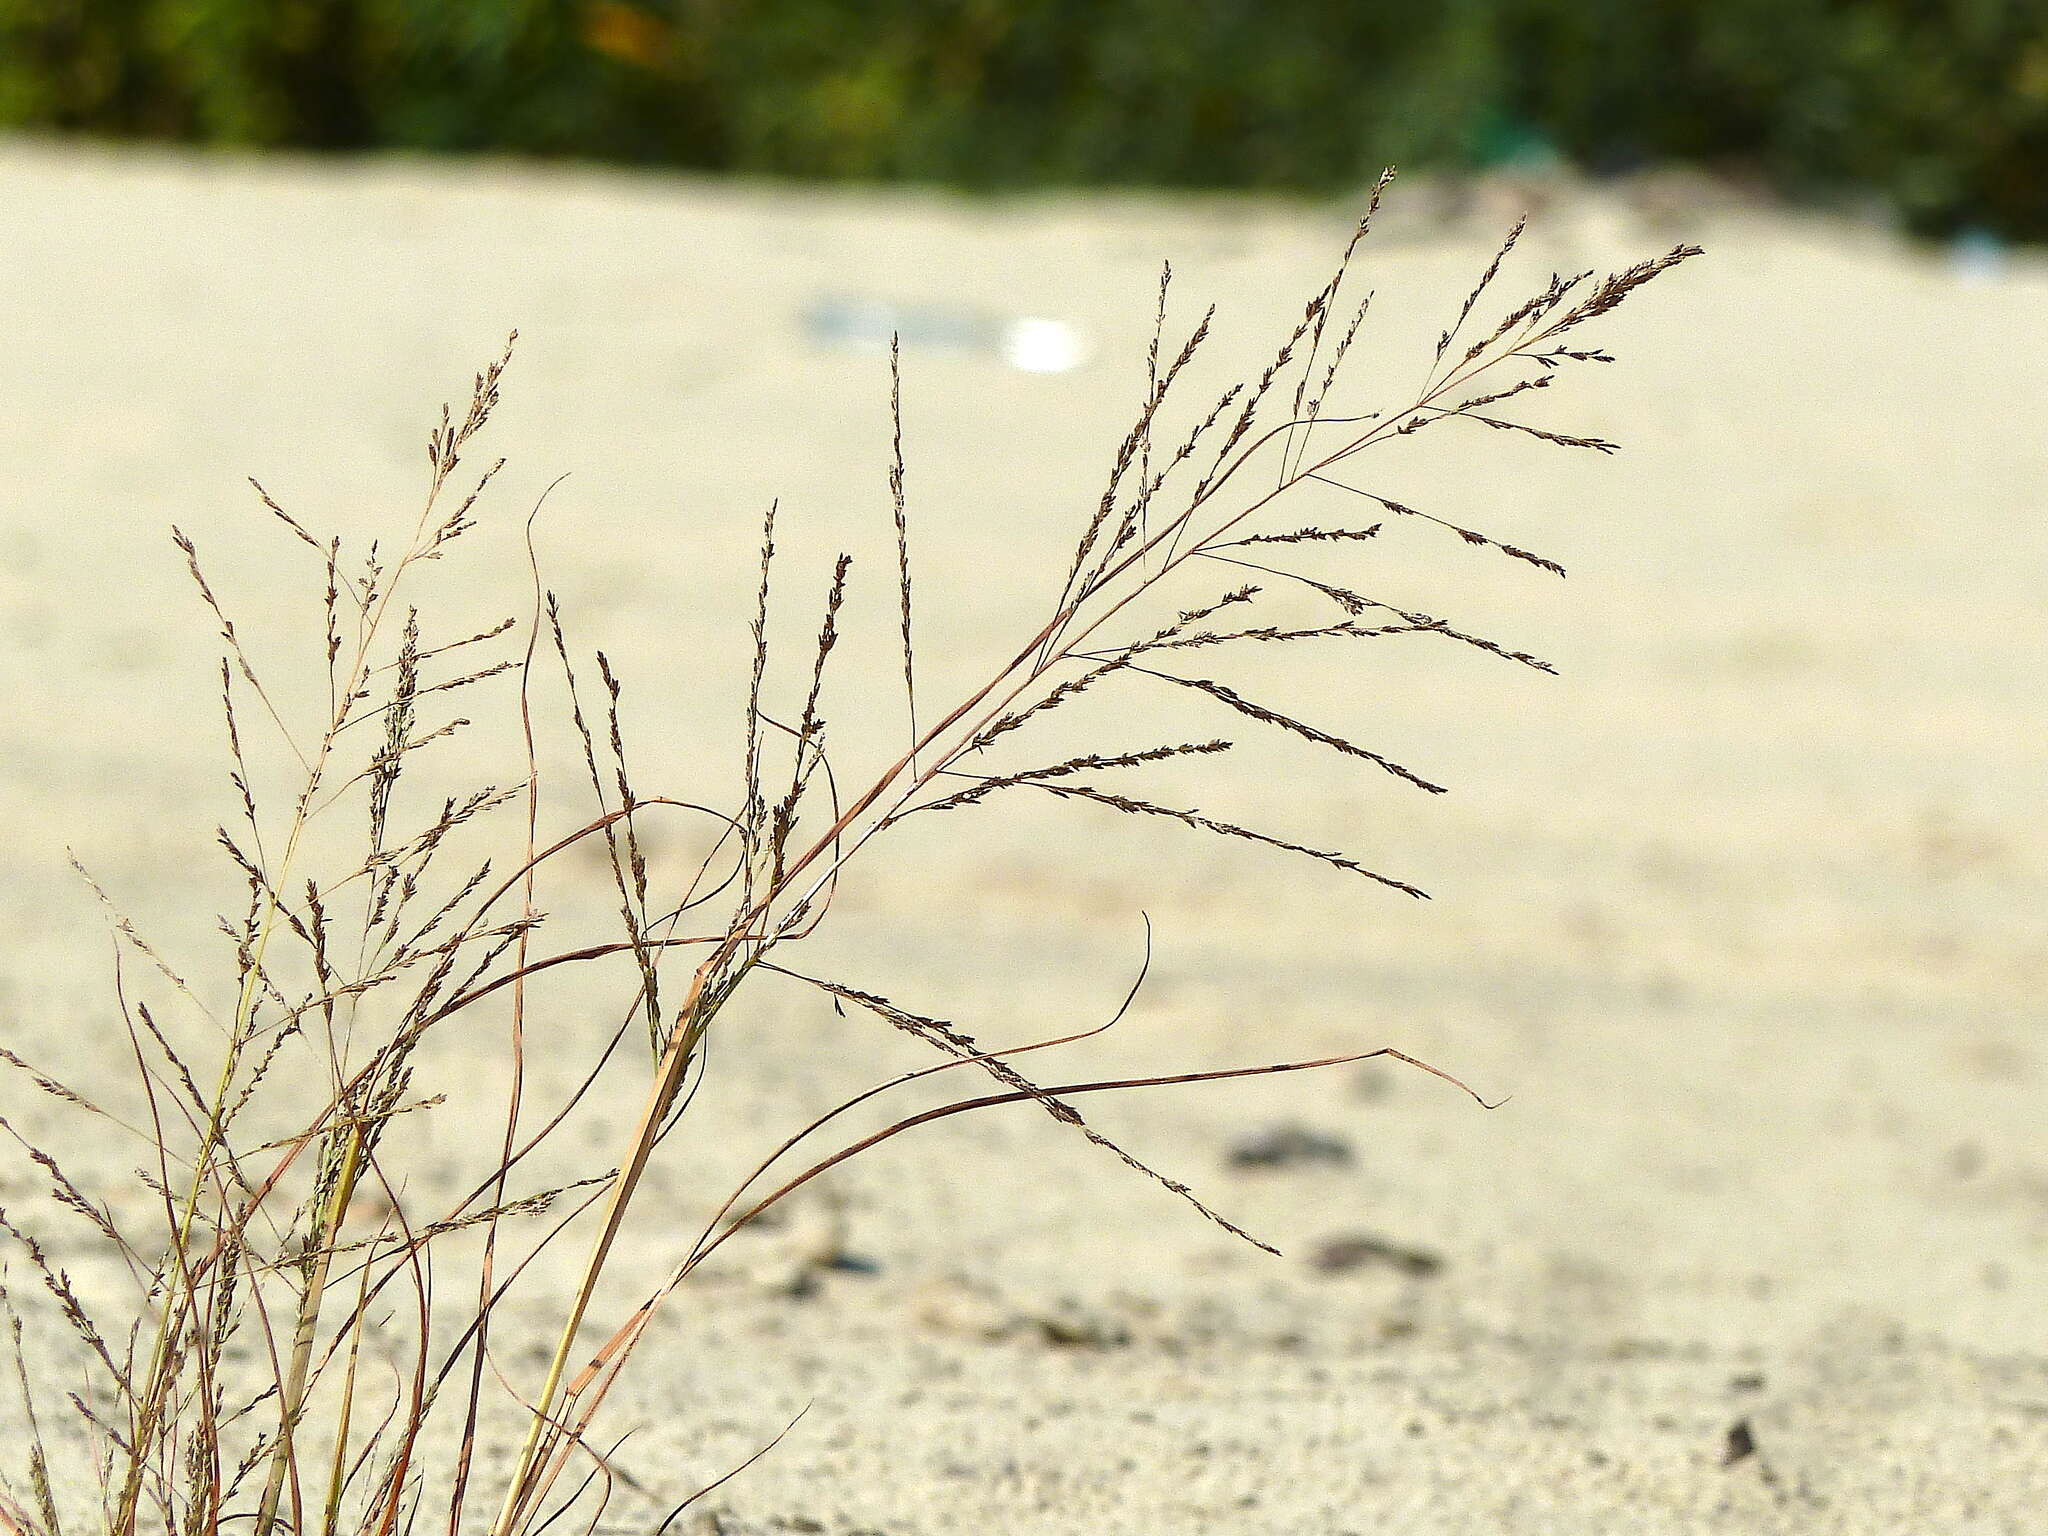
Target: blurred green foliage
(1939, 105)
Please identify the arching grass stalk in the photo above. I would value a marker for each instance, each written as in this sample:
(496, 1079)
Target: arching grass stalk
(1127, 551)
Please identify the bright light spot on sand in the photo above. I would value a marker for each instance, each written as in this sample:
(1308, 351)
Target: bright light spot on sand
(1042, 346)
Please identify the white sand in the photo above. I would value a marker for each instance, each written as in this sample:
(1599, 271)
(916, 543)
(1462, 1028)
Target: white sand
(1745, 910)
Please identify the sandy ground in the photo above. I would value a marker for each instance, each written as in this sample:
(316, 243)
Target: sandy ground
(1744, 910)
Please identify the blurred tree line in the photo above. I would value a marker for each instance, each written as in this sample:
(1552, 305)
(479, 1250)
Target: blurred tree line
(1939, 105)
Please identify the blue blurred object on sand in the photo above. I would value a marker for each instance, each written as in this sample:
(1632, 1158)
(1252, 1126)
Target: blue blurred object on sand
(1028, 343)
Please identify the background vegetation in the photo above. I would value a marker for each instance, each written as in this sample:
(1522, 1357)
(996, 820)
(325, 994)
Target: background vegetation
(1940, 106)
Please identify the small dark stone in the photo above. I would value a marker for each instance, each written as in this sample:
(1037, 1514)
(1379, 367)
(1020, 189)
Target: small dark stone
(1372, 1083)
(1072, 1328)
(1748, 1381)
(1741, 1443)
(1341, 1255)
(1288, 1145)
(853, 1264)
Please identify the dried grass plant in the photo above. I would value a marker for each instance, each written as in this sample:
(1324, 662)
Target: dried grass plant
(297, 1324)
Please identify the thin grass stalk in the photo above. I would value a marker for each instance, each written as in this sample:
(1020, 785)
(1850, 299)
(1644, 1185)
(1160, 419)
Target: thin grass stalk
(898, 503)
(516, 1041)
(330, 1513)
